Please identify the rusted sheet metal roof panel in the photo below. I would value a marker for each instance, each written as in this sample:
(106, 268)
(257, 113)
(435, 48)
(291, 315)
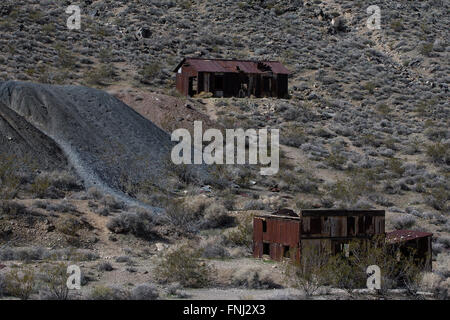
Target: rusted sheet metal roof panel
(337, 212)
(405, 235)
(232, 66)
(285, 212)
(277, 67)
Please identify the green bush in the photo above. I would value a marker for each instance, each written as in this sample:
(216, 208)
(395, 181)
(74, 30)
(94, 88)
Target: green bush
(9, 181)
(183, 265)
(54, 278)
(348, 269)
(149, 72)
(426, 49)
(20, 283)
(109, 293)
(242, 235)
(311, 272)
(439, 153)
(40, 186)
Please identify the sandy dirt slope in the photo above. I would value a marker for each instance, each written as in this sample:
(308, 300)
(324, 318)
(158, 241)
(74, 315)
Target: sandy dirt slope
(167, 112)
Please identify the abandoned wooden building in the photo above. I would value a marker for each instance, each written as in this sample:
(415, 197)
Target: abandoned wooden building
(419, 242)
(232, 78)
(284, 233)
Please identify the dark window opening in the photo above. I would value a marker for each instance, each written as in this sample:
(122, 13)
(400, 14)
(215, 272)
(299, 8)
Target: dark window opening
(286, 251)
(266, 248)
(264, 225)
(368, 223)
(219, 82)
(361, 225)
(316, 225)
(351, 226)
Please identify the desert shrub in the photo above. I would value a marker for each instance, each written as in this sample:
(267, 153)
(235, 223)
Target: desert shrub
(68, 225)
(298, 182)
(144, 292)
(174, 289)
(348, 191)
(109, 293)
(311, 272)
(426, 48)
(22, 254)
(336, 161)
(112, 204)
(54, 278)
(12, 208)
(63, 180)
(214, 247)
(433, 133)
(348, 269)
(140, 223)
(38, 253)
(20, 283)
(101, 75)
(439, 153)
(182, 264)
(383, 109)
(63, 206)
(9, 181)
(105, 266)
(254, 205)
(186, 214)
(2, 284)
(252, 279)
(94, 193)
(370, 87)
(149, 72)
(103, 211)
(40, 186)
(65, 57)
(124, 259)
(438, 198)
(229, 202)
(293, 136)
(193, 213)
(397, 25)
(242, 235)
(403, 221)
(395, 165)
(216, 216)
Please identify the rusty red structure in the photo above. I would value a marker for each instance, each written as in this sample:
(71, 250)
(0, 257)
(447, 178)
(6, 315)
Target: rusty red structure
(232, 78)
(412, 242)
(281, 233)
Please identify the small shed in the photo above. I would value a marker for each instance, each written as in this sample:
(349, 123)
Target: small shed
(232, 78)
(283, 232)
(417, 241)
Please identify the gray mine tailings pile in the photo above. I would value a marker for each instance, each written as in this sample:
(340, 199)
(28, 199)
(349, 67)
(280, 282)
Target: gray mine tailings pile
(108, 143)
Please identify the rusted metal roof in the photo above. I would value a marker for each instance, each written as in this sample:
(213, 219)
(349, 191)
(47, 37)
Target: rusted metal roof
(285, 212)
(338, 212)
(233, 66)
(405, 235)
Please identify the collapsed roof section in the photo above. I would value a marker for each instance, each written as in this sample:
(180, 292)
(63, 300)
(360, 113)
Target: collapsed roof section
(233, 66)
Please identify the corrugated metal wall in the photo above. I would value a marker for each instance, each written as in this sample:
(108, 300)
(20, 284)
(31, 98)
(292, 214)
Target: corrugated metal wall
(330, 231)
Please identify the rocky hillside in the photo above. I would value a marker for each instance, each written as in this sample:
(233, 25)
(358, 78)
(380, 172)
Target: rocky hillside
(370, 102)
(366, 125)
